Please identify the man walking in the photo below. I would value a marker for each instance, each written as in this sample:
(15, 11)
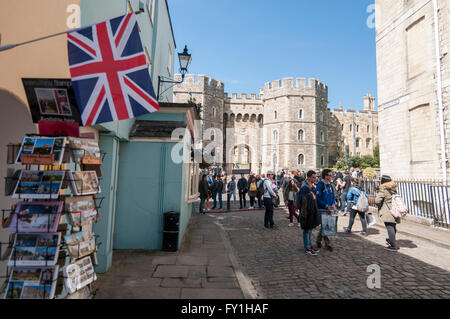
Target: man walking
(268, 202)
(309, 216)
(242, 187)
(345, 190)
(220, 190)
(326, 202)
(214, 186)
(203, 190)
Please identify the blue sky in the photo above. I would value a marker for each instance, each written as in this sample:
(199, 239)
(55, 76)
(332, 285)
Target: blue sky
(246, 43)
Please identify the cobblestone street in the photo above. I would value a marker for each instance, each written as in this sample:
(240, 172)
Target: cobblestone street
(276, 265)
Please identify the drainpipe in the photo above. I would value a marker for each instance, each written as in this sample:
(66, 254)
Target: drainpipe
(439, 91)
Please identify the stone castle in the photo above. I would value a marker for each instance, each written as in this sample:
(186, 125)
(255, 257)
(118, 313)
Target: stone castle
(287, 126)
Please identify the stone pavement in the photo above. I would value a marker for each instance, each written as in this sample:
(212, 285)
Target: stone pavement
(201, 269)
(231, 256)
(277, 266)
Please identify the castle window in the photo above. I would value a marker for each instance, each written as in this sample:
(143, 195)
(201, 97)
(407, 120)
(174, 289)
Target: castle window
(300, 114)
(301, 159)
(357, 128)
(342, 127)
(368, 142)
(368, 128)
(350, 127)
(322, 162)
(275, 136)
(322, 136)
(214, 112)
(377, 129)
(275, 115)
(321, 116)
(357, 142)
(300, 135)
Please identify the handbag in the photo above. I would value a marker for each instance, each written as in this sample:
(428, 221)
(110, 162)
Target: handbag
(329, 225)
(371, 220)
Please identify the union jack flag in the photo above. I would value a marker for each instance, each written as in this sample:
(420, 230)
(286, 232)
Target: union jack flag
(109, 71)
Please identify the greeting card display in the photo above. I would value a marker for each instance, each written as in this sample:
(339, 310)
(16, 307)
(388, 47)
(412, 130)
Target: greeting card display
(84, 182)
(41, 150)
(32, 283)
(82, 210)
(36, 217)
(79, 274)
(85, 151)
(80, 244)
(39, 184)
(35, 250)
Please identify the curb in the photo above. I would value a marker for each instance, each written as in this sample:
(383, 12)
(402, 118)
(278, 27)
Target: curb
(433, 241)
(247, 288)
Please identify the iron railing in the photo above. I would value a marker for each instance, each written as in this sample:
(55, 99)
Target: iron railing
(428, 199)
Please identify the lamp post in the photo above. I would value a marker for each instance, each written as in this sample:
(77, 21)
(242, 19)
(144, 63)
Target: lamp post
(185, 61)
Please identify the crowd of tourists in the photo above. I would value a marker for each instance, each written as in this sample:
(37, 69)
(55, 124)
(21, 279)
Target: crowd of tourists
(307, 198)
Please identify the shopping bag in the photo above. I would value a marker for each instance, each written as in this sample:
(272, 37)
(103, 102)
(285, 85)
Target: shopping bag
(329, 225)
(371, 220)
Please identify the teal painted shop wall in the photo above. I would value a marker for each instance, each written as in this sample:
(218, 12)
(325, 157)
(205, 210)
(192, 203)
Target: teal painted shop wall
(150, 186)
(104, 228)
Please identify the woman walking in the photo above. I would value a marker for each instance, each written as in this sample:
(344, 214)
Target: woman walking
(289, 196)
(352, 198)
(387, 189)
(252, 190)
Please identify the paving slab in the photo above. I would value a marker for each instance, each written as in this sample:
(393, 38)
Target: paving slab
(164, 260)
(171, 271)
(181, 283)
(192, 260)
(220, 271)
(211, 293)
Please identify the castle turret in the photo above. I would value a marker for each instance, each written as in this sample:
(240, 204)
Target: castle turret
(369, 102)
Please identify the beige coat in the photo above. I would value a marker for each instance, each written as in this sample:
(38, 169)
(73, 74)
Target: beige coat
(384, 202)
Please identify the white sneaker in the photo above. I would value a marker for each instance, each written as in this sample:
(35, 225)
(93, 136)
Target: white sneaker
(291, 224)
(299, 225)
(251, 207)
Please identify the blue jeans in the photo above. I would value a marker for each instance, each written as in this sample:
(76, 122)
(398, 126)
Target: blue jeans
(220, 200)
(307, 233)
(268, 217)
(214, 196)
(343, 201)
(202, 202)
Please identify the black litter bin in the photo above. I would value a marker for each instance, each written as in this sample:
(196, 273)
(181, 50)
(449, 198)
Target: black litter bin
(171, 231)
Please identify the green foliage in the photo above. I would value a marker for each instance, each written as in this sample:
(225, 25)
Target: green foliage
(369, 173)
(341, 164)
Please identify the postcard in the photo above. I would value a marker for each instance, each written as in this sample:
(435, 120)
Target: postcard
(82, 210)
(39, 150)
(32, 283)
(39, 184)
(84, 182)
(78, 275)
(35, 250)
(80, 244)
(85, 151)
(36, 217)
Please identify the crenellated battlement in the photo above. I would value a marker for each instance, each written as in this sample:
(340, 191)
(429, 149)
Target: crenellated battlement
(243, 97)
(300, 83)
(201, 81)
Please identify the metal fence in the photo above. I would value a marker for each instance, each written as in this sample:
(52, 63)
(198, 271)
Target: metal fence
(428, 199)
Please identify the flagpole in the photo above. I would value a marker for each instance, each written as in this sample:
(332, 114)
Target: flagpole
(12, 46)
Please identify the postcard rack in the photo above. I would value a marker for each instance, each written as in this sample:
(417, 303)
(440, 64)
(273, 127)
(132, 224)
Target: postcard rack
(42, 206)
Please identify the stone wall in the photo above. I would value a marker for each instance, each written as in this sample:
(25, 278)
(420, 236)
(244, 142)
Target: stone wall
(409, 122)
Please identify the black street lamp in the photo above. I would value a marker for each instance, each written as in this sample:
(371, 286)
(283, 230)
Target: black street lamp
(185, 61)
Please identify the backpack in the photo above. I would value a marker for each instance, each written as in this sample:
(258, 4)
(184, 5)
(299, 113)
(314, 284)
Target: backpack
(399, 208)
(363, 202)
(261, 187)
(253, 187)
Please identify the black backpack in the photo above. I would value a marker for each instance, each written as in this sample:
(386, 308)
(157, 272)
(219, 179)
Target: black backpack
(261, 188)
